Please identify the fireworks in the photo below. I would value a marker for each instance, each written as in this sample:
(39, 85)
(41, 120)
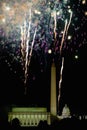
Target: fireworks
(60, 81)
(25, 39)
(38, 25)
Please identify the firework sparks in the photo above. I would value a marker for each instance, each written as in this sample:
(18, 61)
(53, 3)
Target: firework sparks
(66, 28)
(50, 17)
(28, 60)
(60, 81)
(63, 37)
(27, 49)
(25, 39)
(69, 22)
(55, 24)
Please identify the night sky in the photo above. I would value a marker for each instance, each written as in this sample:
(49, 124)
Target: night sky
(28, 66)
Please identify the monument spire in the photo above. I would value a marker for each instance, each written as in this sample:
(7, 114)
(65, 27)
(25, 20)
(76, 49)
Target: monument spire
(53, 101)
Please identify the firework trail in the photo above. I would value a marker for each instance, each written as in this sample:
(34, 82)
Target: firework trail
(60, 81)
(63, 37)
(28, 60)
(66, 28)
(22, 44)
(30, 54)
(28, 57)
(27, 49)
(55, 25)
(67, 24)
(25, 39)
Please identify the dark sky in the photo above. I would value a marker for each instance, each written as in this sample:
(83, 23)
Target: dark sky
(73, 88)
(74, 81)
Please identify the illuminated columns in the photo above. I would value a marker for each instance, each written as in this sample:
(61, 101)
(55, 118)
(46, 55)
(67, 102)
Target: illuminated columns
(53, 103)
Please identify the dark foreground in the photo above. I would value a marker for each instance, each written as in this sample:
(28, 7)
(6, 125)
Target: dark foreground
(67, 123)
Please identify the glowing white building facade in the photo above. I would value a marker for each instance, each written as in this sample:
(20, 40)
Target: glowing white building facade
(32, 116)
